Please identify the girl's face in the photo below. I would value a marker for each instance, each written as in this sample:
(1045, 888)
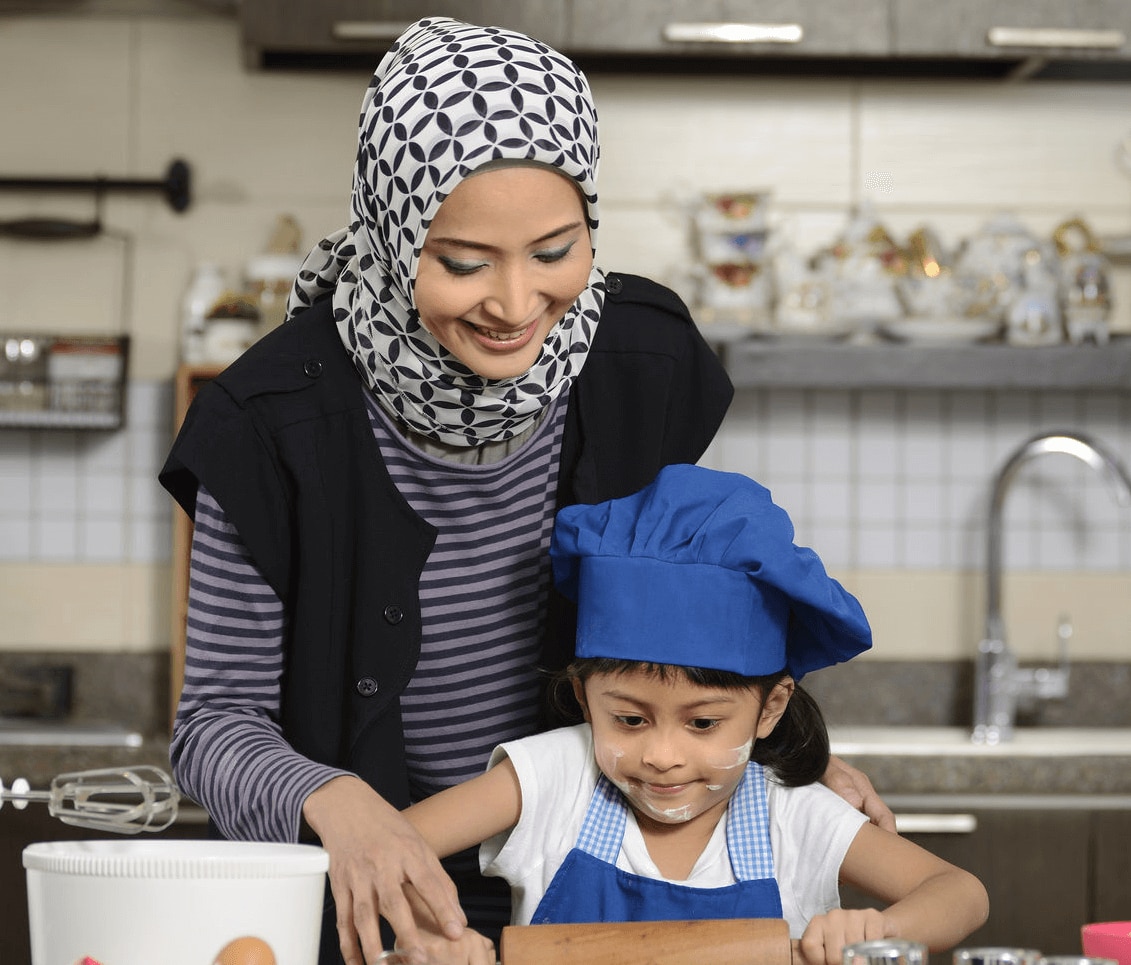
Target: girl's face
(676, 750)
(507, 253)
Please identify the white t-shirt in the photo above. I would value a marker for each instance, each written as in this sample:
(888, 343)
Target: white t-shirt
(810, 831)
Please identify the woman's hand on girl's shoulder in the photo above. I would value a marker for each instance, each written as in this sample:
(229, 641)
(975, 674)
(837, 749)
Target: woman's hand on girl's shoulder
(854, 786)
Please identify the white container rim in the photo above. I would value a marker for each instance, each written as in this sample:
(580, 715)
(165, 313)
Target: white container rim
(176, 859)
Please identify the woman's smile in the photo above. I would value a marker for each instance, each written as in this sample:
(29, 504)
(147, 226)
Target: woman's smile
(516, 338)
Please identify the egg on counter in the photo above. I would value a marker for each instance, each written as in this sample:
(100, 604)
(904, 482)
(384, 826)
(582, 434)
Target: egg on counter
(246, 950)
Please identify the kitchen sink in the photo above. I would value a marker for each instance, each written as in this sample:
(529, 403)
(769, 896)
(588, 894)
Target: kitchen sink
(899, 741)
(34, 732)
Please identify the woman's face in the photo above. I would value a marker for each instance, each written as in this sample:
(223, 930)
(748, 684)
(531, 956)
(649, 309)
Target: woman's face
(507, 253)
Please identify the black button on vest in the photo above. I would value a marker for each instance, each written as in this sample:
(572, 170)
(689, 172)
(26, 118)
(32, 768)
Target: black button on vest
(394, 614)
(312, 368)
(367, 686)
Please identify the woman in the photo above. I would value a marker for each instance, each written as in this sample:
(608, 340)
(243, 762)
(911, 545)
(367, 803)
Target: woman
(374, 483)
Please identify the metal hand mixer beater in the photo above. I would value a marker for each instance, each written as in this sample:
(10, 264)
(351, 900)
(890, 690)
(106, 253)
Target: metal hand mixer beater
(121, 799)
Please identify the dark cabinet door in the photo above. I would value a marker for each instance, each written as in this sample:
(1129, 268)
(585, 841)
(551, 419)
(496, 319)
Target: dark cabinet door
(331, 27)
(1035, 865)
(732, 28)
(1111, 874)
(1069, 29)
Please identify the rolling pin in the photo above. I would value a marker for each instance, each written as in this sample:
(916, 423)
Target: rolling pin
(732, 941)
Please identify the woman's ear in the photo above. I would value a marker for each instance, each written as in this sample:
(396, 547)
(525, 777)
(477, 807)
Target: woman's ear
(579, 693)
(774, 706)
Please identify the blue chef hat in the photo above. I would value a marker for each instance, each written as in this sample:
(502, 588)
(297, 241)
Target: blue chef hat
(700, 569)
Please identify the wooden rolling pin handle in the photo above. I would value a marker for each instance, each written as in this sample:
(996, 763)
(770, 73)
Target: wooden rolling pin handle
(732, 941)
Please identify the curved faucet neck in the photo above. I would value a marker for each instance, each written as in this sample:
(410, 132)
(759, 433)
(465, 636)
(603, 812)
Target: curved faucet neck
(1082, 447)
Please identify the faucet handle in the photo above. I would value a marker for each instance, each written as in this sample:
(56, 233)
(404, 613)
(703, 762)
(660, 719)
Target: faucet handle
(1051, 683)
(1064, 633)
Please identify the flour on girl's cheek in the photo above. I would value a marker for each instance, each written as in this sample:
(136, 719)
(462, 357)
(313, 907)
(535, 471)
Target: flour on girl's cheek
(740, 759)
(608, 760)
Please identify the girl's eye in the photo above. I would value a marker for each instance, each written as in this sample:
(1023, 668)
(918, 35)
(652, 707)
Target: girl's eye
(628, 720)
(455, 267)
(705, 723)
(554, 254)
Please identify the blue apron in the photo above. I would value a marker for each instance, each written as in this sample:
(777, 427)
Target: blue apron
(588, 887)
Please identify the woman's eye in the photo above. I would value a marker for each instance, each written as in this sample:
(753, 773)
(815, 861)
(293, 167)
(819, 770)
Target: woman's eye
(628, 720)
(461, 267)
(554, 254)
(705, 723)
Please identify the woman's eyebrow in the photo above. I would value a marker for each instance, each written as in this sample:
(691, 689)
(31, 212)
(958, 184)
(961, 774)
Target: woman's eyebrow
(479, 246)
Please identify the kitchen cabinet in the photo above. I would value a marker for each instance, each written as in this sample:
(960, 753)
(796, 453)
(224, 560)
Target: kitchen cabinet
(340, 28)
(1045, 29)
(18, 829)
(732, 28)
(1048, 869)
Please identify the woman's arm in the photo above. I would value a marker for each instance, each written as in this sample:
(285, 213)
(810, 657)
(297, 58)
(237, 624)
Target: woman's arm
(930, 900)
(230, 755)
(228, 750)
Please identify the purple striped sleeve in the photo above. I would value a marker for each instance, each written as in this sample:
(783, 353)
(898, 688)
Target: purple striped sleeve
(228, 751)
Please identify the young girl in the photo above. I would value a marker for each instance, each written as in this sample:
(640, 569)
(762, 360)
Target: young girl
(690, 790)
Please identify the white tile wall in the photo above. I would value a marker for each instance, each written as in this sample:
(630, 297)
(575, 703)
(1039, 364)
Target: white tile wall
(901, 479)
(873, 479)
(89, 497)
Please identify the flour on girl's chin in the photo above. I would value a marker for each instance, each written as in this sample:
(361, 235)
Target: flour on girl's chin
(672, 814)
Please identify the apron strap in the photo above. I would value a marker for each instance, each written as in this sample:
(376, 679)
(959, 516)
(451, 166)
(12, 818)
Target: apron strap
(748, 827)
(603, 828)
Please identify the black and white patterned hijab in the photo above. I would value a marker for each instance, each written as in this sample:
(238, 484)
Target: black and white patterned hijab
(446, 99)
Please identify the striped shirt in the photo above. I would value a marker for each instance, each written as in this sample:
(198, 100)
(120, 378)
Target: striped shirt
(482, 593)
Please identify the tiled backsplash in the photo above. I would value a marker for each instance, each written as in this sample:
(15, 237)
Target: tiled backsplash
(873, 479)
(901, 479)
(88, 496)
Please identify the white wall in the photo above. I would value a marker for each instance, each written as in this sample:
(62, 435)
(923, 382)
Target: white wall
(888, 486)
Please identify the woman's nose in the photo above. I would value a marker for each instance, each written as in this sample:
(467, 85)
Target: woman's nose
(513, 297)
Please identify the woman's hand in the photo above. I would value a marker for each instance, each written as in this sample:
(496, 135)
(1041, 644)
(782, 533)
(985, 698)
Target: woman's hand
(826, 935)
(857, 790)
(470, 948)
(375, 854)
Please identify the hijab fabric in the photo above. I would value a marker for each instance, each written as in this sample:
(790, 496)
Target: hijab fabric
(445, 100)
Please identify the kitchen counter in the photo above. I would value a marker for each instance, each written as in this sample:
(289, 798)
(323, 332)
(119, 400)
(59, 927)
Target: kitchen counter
(39, 764)
(998, 774)
(892, 774)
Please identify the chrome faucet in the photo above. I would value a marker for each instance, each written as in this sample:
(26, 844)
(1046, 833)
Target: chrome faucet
(999, 683)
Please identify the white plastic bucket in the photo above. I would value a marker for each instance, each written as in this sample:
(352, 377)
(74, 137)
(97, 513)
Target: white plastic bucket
(175, 902)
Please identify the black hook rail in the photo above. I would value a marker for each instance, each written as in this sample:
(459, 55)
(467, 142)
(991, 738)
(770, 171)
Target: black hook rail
(176, 185)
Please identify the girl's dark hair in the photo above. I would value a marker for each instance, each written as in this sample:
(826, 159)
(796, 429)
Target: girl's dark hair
(797, 750)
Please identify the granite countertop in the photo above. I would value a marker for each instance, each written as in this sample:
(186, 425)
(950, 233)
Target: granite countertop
(39, 764)
(1000, 774)
(133, 690)
(891, 774)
